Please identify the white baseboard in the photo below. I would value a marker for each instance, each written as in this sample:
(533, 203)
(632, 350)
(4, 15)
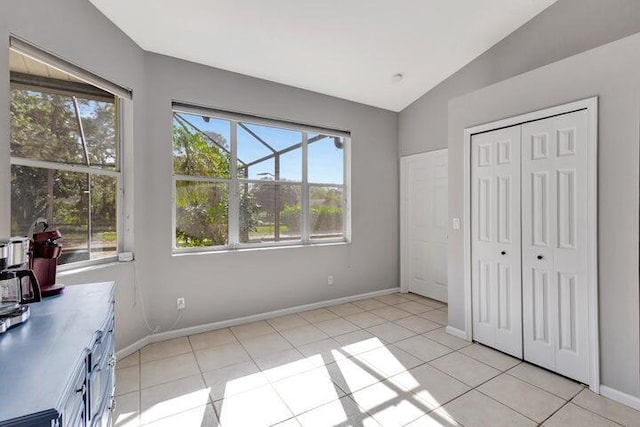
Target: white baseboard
(162, 336)
(620, 397)
(458, 333)
(132, 348)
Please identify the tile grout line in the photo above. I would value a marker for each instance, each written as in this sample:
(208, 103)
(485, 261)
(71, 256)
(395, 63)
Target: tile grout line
(349, 394)
(477, 388)
(500, 371)
(294, 347)
(475, 358)
(209, 399)
(540, 388)
(139, 411)
(470, 387)
(554, 412)
(505, 405)
(335, 385)
(591, 411)
(295, 416)
(534, 385)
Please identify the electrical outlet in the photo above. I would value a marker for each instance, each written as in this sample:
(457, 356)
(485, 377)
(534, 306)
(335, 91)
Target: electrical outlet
(180, 303)
(329, 280)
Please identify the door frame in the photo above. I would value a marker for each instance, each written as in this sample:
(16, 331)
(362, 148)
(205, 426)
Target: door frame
(591, 106)
(404, 212)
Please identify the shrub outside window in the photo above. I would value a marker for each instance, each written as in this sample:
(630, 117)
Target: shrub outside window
(242, 181)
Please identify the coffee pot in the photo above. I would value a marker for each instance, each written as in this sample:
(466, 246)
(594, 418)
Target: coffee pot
(12, 292)
(14, 264)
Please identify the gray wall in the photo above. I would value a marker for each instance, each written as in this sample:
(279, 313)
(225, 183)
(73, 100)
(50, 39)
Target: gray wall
(611, 73)
(225, 285)
(564, 29)
(217, 286)
(76, 31)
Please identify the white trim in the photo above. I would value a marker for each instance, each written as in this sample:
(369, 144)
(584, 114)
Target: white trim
(313, 184)
(458, 333)
(174, 214)
(620, 397)
(162, 336)
(233, 191)
(404, 285)
(293, 243)
(87, 268)
(346, 190)
(132, 348)
(258, 120)
(591, 105)
(96, 262)
(592, 243)
(234, 182)
(466, 230)
(195, 178)
(306, 190)
(404, 243)
(535, 115)
(67, 167)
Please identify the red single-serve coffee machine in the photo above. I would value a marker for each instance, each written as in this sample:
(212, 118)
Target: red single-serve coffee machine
(44, 261)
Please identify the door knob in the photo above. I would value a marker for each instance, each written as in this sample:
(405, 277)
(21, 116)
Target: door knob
(539, 257)
(503, 253)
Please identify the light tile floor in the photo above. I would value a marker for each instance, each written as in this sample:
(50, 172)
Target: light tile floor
(384, 361)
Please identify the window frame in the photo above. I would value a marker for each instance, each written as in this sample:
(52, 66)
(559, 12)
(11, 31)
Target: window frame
(84, 169)
(234, 183)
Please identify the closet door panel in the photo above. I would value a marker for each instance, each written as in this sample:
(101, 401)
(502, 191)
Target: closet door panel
(538, 204)
(496, 244)
(483, 258)
(554, 207)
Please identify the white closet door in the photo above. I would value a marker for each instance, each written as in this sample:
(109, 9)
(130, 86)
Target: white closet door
(554, 222)
(425, 202)
(495, 239)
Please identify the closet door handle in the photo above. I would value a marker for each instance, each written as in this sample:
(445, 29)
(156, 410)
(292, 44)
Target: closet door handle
(539, 257)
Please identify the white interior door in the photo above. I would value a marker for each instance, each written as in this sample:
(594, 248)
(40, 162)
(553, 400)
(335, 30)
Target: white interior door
(495, 240)
(425, 230)
(554, 247)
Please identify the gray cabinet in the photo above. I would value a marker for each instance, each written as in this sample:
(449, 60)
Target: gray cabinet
(58, 368)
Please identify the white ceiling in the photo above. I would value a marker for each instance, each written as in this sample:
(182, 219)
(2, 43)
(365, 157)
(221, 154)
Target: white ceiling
(346, 48)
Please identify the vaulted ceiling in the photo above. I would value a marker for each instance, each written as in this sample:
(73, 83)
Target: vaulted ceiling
(350, 49)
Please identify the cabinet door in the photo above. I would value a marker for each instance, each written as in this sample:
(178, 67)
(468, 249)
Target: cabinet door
(74, 413)
(554, 222)
(495, 239)
(102, 375)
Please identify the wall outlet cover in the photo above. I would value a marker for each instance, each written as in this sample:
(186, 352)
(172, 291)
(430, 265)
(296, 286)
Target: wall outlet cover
(125, 256)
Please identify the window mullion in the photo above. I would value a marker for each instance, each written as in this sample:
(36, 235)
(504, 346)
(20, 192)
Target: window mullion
(234, 199)
(67, 167)
(305, 191)
(174, 206)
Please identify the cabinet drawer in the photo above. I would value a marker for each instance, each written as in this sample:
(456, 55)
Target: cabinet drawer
(101, 376)
(74, 407)
(103, 345)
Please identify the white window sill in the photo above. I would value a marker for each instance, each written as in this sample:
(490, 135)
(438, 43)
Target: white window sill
(226, 250)
(70, 269)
